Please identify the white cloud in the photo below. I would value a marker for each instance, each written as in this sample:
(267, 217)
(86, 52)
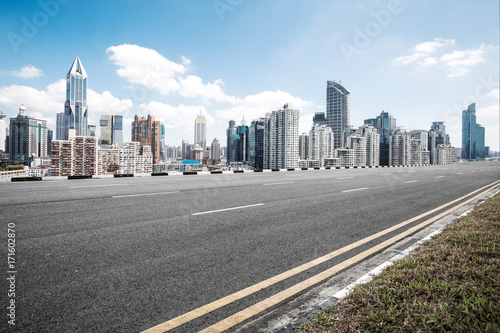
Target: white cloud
(140, 65)
(459, 62)
(27, 72)
(177, 119)
(46, 103)
(192, 86)
(429, 47)
(255, 106)
(456, 62)
(186, 61)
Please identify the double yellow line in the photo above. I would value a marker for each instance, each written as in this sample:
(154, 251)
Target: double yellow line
(285, 294)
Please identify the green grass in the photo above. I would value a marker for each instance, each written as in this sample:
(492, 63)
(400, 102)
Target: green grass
(449, 284)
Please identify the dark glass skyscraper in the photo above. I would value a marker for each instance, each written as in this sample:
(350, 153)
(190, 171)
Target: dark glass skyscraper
(337, 110)
(385, 125)
(472, 135)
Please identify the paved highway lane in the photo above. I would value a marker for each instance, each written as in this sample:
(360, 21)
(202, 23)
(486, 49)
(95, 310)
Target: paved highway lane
(128, 254)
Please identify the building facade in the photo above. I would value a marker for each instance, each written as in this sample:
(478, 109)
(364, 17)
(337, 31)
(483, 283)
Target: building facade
(75, 107)
(473, 135)
(215, 150)
(146, 131)
(200, 131)
(281, 139)
(337, 110)
(111, 129)
(77, 156)
(321, 142)
(27, 139)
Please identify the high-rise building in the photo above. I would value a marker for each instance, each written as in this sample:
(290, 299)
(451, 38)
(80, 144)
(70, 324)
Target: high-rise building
(436, 136)
(200, 131)
(256, 130)
(111, 130)
(337, 110)
(146, 130)
(231, 142)
(75, 107)
(91, 130)
(282, 139)
(446, 154)
(242, 143)
(50, 137)
(60, 129)
(304, 146)
(215, 150)
(74, 157)
(135, 158)
(385, 125)
(28, 138)
(163, 152)
(321, 142)
(3, 132)
(319, 118)
(473, 145)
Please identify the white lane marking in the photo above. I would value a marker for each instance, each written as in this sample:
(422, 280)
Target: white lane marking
(440, 177)
(225, 209)
(459, 173)
(278, 183)
(385, 174)
(356, 189)
(411, 181)
(142, 194)
(98, 185)
(345, 177)
(473, 171)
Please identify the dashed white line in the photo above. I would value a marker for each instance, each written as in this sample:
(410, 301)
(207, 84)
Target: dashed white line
(473, 171)
(345, 177)
(440, 177)
(226, 209)
(459, 173)
(356, 189)
(142, 194)
(411, 181)
(269, 184)
(109, 185)
(385, 174)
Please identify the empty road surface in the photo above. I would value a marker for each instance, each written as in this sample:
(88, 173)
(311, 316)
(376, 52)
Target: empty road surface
(128, 254)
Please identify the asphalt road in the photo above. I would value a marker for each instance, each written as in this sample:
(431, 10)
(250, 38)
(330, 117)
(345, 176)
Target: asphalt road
(123, 255)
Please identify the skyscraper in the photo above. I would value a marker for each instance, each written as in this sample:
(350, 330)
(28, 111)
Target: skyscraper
(321, 142)
(3, 132)
(242, 143)
(256, 130)
(75, 107)
(337, 110)
(385, 125)
(282, 139)
(112, 130)
(231, 138)
(28, 138)
(215, 149)
(472, 135)
(146, 130)
(200, 131)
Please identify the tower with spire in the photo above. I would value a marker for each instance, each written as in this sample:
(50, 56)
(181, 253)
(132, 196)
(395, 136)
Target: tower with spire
(75, 116)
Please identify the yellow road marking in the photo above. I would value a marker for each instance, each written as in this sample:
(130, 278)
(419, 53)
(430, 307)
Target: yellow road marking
(203, 310)
(287, 293)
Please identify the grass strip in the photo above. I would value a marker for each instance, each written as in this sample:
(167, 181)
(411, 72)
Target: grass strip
(449, 284)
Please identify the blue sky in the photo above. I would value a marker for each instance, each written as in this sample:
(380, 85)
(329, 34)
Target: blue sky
(421, 60)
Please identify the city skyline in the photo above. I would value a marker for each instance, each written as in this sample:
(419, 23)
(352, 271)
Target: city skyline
(419, 75)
